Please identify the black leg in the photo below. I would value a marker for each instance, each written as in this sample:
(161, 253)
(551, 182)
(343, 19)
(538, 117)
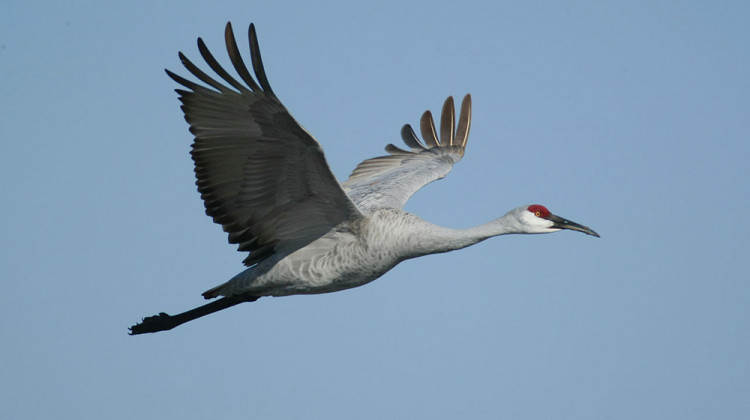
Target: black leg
(164, 322)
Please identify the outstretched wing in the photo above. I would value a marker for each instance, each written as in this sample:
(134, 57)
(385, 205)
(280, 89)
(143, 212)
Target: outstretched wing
(260, 174)
(389, 181)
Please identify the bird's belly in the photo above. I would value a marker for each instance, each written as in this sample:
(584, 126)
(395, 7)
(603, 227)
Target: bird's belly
(316, 269)
(331, 274)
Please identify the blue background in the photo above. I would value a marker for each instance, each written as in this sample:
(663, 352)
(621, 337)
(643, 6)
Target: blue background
(629, 117)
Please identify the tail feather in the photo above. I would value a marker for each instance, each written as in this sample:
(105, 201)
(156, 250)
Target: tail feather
(213, 292)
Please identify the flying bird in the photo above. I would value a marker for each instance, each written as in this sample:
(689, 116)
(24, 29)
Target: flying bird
(265, 180)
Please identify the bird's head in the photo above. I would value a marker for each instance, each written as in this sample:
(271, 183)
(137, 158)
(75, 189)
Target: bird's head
(535, 218)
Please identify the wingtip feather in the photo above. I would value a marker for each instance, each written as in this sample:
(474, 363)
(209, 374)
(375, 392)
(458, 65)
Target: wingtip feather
(447, 122)
(464, 122)
(427, 126)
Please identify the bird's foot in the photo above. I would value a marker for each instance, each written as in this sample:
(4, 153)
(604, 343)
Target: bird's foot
(150, 324)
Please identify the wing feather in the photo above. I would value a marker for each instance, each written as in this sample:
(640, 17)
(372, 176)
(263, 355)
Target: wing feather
(427, 127)
(447, 124)
(389, 181)
(261, 175)
(464, 122)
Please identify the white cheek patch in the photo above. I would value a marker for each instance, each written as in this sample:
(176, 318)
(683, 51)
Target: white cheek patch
(537, 224)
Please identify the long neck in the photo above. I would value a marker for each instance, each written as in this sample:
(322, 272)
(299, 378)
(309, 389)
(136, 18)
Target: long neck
(436, 239)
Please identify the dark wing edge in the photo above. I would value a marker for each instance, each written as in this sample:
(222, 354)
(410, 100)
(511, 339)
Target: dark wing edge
(261, 175)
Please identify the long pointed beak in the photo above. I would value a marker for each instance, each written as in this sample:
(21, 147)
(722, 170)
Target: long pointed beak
(561, 223)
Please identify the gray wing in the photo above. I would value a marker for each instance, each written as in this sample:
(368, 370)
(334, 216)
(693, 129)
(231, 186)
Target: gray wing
(389, 181)
(260, 174)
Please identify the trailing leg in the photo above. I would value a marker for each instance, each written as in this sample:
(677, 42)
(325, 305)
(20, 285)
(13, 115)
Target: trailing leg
(163, 321)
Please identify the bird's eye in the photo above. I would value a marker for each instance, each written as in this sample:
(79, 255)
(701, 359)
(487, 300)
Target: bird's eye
(538, 213)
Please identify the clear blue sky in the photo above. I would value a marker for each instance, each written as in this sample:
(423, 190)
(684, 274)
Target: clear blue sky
(631, 118)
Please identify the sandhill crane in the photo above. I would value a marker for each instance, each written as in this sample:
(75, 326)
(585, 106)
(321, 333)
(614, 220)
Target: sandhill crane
(264, 178)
